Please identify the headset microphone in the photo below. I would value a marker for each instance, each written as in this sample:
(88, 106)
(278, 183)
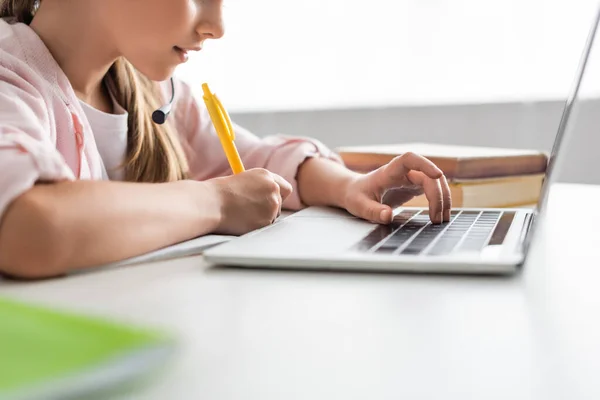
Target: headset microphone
(160, 116)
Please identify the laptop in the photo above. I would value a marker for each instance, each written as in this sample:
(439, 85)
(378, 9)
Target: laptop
(475, 241)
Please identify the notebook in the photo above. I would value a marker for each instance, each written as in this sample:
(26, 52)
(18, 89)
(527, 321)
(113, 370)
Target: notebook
(184, 249)
(49, 354)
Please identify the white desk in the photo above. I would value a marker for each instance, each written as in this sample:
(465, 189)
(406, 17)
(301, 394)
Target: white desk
(249, 334)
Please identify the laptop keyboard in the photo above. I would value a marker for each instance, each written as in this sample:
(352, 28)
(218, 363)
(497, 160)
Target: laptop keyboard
(412, 233)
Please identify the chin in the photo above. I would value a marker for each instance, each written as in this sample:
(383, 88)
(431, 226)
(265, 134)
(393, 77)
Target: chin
(157, 73)
(160, 75)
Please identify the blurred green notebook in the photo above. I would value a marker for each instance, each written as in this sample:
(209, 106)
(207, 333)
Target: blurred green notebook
(48, 354)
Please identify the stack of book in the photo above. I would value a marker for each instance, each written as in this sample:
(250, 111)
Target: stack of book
(478, 176)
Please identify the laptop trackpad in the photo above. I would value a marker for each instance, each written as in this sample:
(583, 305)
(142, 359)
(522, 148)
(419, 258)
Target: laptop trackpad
(299, 236)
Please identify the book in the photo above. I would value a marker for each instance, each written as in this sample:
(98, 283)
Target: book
(51, 354)
(492, 192)
(457, 162)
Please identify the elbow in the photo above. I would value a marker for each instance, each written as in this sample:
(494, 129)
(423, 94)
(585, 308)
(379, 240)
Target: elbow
(30, 240)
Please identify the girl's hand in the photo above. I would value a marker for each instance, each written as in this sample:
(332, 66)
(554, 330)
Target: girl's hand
(403, 178)
(249, 200)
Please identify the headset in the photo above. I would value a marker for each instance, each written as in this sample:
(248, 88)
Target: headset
(160, 116)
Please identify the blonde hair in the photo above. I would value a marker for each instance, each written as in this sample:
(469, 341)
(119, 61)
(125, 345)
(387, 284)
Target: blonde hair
(154, 153)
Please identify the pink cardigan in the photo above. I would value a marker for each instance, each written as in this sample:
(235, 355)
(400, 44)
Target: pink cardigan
(45, 135)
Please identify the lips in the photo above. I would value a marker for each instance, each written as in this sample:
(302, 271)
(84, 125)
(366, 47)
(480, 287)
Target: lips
(181, 53)
(186, 49)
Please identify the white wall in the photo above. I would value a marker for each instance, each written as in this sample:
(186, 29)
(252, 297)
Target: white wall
(519, 125)
(477, 72)
(321, 54)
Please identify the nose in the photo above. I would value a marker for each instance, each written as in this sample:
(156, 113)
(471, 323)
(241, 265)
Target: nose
(211, 24)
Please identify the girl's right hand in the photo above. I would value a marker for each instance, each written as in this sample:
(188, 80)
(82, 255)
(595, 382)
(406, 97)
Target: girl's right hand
(249, 200)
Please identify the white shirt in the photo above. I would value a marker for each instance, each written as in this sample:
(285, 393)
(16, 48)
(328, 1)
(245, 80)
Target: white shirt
(110, 133)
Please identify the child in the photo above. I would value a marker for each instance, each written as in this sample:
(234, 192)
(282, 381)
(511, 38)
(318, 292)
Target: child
(87, 178)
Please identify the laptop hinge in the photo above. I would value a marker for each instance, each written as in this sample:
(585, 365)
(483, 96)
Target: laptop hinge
(526, 234)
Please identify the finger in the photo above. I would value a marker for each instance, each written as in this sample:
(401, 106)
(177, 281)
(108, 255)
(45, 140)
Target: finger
(396, 170)
(278, 203)
(397, 196)
(433, 193)
(446, 198)
(374, 211)
(285, 188)
(277, 216)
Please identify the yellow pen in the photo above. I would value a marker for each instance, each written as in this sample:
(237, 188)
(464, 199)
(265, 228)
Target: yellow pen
(222, 124)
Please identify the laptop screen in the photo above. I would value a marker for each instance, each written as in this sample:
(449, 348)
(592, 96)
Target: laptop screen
(583, 98)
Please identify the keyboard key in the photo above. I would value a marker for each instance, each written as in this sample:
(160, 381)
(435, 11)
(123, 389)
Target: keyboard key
(491, 214)
(471, 212)
(466, 231)
(411, 251)
(399, 237)
(395, 241)
(405, 215)
(374, 237)
(424, 238)
(502, 228)
(385, 249)
(444, 247)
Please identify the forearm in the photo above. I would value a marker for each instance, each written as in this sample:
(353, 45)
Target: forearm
(54, 228)
(322, 182)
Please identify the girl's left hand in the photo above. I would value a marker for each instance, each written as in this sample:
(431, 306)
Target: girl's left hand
(400, 180)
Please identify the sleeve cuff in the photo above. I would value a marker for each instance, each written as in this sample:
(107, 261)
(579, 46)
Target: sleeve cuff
(288, 158)
(25, 161)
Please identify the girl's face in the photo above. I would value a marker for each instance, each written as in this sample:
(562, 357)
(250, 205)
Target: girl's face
(155, 34)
